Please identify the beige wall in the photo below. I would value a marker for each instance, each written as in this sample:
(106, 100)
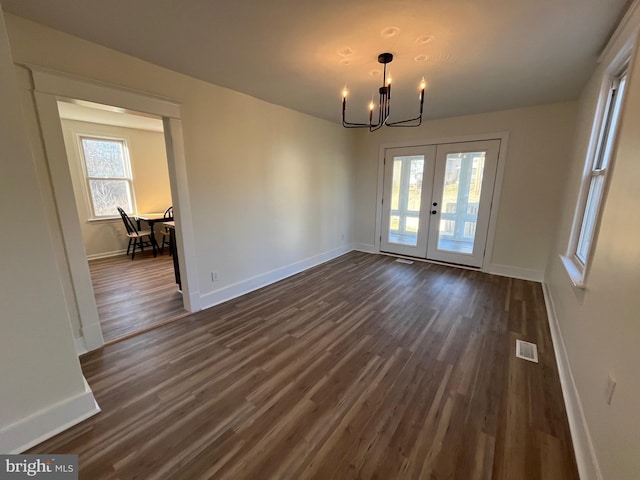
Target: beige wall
(601, 324)
(39, 367)
(269, 187)
(538, 148)
(150, 175)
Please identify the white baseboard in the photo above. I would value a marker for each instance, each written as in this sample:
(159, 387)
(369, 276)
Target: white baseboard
(81, 347)
(30, 431)
(236, 290)
(194, 299)
(514, 272)
(495, 269)
(97, 256)
(365, 247)
(91, 337)
(586, 459)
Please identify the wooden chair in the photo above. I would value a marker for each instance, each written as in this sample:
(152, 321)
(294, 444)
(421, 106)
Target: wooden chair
(136, 237)
(166, 233)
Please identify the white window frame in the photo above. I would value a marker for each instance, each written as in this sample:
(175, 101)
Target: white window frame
(599, 161)
(127, 168)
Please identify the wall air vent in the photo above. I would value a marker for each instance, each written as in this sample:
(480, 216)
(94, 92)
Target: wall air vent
(527, 351)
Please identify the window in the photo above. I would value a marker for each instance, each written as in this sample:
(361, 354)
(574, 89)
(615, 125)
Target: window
(108, 173)
(598, 161)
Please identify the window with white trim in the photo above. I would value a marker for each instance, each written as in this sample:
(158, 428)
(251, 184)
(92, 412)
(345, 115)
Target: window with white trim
(108, 175)
(595, 180)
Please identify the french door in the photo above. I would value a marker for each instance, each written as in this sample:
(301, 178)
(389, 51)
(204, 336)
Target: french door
(437, 200)
(408, 183)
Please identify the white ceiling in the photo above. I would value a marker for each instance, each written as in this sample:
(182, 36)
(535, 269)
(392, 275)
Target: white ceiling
(476, 55)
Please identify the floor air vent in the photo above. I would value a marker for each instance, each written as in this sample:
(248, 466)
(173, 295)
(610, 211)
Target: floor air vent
(402, 260)
(527, 351)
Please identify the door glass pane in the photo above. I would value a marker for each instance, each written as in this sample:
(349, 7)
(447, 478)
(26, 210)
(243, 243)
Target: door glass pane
(460, 200)
(406, 195)
(395, 184)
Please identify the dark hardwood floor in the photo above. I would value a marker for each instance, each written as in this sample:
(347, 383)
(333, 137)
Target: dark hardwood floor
(359, 368)
(135, 295)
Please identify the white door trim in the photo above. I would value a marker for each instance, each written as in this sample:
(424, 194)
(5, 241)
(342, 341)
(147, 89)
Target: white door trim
(497, 189)
(49, 86)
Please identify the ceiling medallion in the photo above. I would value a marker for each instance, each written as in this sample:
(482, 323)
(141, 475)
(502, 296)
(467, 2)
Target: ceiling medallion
(384, 105)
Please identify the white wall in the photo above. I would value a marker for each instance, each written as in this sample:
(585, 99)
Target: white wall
(539, 145)
(148, 158)
(600, 325)
(269, 187)
(39, 368)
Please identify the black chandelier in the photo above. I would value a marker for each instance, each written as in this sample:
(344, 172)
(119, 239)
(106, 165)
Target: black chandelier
(384, 105)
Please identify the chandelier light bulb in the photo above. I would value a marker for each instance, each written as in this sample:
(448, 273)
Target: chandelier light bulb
(371, 105)
(423, 84)
(345, 92)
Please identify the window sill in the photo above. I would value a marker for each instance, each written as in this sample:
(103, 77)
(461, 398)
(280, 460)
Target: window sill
(575, 271)
(104, 220)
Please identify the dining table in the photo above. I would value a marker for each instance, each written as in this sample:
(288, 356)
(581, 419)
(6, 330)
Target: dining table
(151, 219)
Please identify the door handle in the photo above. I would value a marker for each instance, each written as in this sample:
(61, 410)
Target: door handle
(433, 212)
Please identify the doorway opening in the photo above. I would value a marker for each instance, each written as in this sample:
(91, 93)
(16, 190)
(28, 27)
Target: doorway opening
(118, 158)
(436, 201)
(50, 87)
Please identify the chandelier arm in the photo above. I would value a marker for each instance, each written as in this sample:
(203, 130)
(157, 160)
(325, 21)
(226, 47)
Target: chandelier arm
(353, 125)
(388, 103)
(386, 118)
(402, 123)
(373, 128)
(350, 124)
(381, 116)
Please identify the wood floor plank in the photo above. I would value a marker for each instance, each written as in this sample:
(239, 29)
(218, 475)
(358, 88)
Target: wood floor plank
(360, 368)
(134, 295)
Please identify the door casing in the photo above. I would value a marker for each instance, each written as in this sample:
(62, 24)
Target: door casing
(50, 86)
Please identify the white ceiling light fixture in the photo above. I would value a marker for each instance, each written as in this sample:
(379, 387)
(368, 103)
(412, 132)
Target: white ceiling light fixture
(384, 103)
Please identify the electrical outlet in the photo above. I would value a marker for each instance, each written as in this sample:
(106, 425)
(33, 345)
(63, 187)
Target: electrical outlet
(611, 387)
(214, 277)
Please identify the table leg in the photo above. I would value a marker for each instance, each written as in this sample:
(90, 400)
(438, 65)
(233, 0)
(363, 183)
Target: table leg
(154, 244)
(174, 251)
